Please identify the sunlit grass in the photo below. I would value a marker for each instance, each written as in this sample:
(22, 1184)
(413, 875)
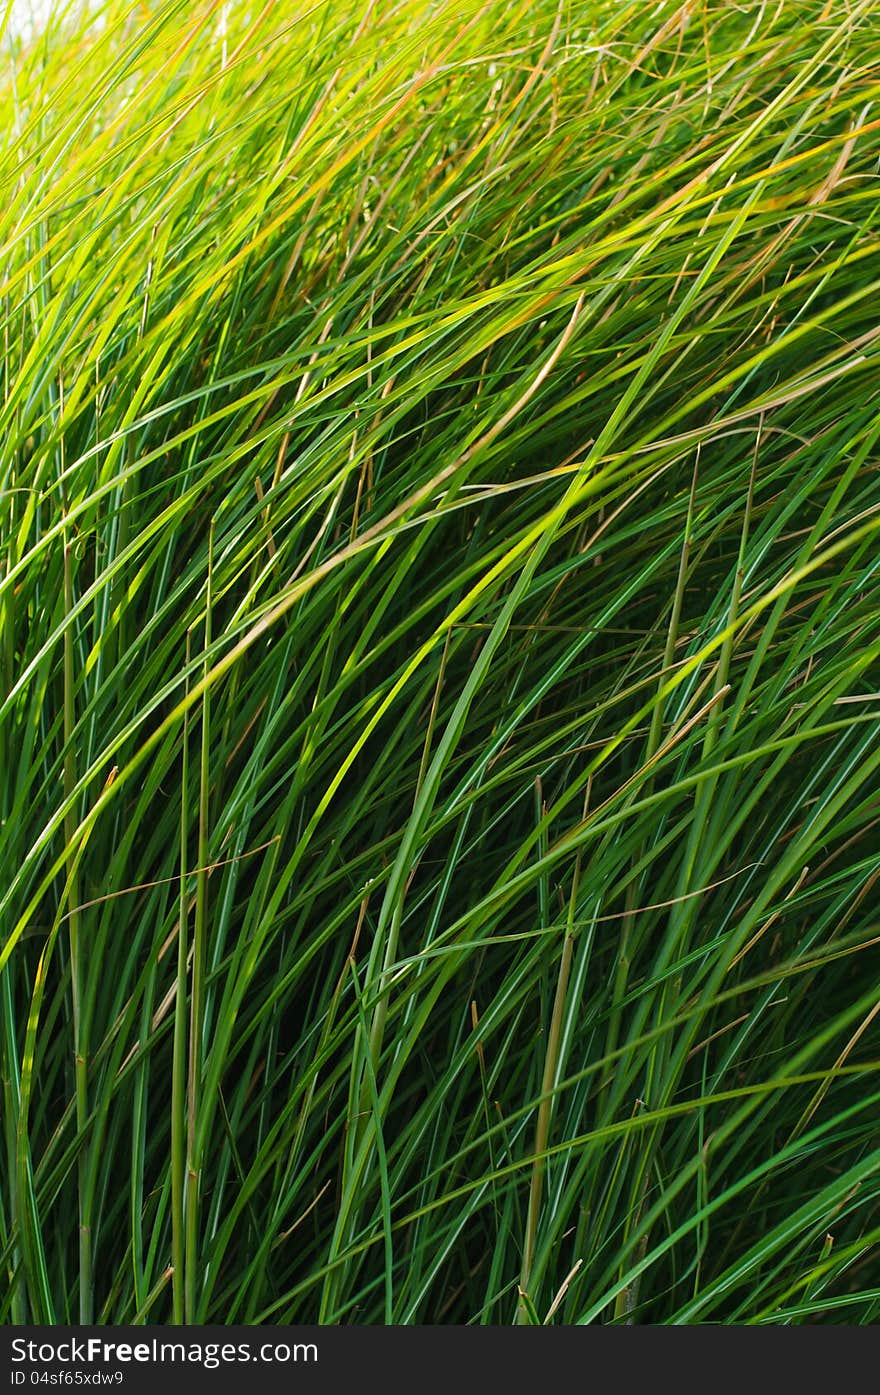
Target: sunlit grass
(440, 663)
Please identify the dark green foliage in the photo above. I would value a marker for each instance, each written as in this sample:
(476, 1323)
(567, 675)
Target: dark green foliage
(440, 664)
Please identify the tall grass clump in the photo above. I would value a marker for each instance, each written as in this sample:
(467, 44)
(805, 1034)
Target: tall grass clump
(440, 663)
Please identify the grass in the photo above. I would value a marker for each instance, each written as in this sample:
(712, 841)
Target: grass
(440, 663)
